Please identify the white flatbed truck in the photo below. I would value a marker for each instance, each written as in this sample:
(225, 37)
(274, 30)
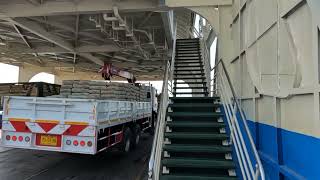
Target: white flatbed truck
(85, 126)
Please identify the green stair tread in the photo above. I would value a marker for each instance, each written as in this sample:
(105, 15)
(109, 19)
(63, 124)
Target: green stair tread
(198, 163)
(190, 82)
(190, 88)
(188, 61)
(188, 135)
(190, 93)
(188, 74)
(188, 66)
(194, 98)
(184, 70)
(187, 55)
(191, 52)
(197, 148)
(191, 45)
(192, 177)
(198, 47)
(180, 105)
(195, 124)
(189, 77)
(194, 114)
(180, 58)
(188, 44)
(188, 49)
(188, 39)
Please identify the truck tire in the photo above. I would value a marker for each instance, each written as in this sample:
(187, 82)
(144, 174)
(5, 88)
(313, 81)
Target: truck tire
(136, 136)
(125, 145)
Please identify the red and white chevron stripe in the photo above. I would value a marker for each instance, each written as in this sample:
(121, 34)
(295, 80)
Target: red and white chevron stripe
(49, 127)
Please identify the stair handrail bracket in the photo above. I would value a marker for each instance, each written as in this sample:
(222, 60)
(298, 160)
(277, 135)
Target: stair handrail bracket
(224, 89)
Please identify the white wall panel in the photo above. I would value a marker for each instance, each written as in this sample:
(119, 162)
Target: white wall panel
(247, 87)
(248, 107)
(236, 38)
(266, 12)
(225, 42)
(265, 111)
(243, 30)
(297, 114)
(288, 56)
(286, 5)
(286, 81)
(235, 7)
(267, 52)
(270, 84)
(253, 66)
(301, 29)
(279, 58)
(251, 33)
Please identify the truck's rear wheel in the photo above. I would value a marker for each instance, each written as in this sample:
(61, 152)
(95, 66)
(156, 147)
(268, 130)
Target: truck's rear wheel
(136, 136)
(126, 143)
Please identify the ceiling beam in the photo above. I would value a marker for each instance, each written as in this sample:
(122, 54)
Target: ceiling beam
(13, 9)
(92, 58)
(22, 36)
(98, 48)
(70, 29)
(25, 40)
(37, 29)
(15, 47)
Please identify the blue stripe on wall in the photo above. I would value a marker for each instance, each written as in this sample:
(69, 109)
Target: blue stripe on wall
(284, 154)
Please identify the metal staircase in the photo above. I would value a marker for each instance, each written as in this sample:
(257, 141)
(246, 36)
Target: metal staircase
(192, 139)
(189, 69)
(196, 145)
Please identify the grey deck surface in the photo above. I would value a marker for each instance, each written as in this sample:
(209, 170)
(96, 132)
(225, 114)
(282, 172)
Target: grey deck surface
(20, 164)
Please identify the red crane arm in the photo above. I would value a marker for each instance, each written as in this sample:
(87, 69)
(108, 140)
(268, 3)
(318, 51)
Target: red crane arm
(108, 70)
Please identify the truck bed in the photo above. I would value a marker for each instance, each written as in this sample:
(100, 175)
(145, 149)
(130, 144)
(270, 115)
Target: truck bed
(84, 126)
(81, 111)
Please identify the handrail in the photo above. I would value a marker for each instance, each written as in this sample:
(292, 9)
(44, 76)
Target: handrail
(155, 157)
(231, 106)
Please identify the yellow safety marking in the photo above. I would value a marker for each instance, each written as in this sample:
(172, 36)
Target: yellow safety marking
(47, 121)
(76, 123)
(19, 119)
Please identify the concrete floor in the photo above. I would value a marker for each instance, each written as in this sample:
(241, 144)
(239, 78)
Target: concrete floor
(19, 164)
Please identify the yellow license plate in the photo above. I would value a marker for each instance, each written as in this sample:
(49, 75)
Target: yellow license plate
(48, 140)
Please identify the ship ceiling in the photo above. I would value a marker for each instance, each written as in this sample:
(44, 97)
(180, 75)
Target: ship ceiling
(83, 39)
